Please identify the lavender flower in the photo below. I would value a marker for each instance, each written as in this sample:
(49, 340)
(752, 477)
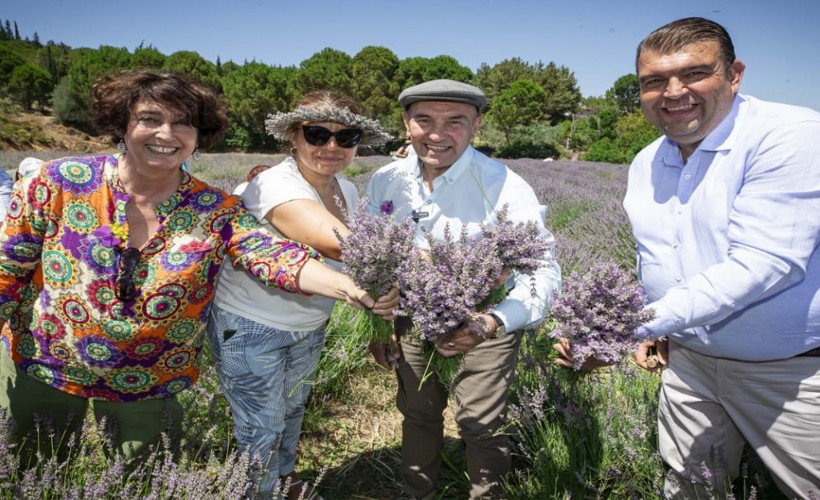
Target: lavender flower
(599, 313)
(373, 252)
(520, 246)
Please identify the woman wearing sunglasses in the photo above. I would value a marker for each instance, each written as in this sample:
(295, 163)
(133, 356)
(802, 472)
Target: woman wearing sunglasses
(267, 344)
(108, 265)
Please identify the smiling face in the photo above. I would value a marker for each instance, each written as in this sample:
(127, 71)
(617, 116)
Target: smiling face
(326, 160)
(686, 94)
(440, 131)
(158, 137)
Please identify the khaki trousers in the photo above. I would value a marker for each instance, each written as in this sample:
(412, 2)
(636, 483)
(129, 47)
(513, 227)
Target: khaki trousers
(710, 407)
(138, 424)
(481, 399)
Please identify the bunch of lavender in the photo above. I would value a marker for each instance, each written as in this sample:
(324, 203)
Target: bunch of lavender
(521, 247)
(442, 287)
(440, 290)
(599, 312)
(374, 249)
(460, 277)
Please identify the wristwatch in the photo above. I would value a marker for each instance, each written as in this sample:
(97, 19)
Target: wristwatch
(488, 333)
(501, 328)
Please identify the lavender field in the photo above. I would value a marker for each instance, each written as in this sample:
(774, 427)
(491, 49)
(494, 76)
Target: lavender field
(576, 434)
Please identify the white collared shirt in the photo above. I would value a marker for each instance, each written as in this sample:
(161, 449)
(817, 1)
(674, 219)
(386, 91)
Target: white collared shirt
(728, 240)
(468, 194)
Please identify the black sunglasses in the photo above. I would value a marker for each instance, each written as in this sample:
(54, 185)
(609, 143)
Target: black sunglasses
(317, 135)
(124, 287)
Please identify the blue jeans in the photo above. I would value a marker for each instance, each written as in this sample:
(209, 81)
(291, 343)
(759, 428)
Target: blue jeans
(266, 375)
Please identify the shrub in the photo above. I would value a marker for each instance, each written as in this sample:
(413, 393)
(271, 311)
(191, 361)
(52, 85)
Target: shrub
(527, 149)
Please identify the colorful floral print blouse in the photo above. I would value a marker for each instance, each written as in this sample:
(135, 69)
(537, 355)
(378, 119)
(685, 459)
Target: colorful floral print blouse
(59, 258)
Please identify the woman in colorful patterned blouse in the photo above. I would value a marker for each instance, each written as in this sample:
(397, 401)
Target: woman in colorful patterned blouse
(108, 264)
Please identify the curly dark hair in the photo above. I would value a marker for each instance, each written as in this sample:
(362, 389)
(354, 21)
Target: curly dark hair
(114, 96)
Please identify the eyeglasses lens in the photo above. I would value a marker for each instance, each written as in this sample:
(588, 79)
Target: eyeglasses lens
(316, 135)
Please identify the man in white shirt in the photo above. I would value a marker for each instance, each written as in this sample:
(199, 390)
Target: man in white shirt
(449, 182)
(725, 208)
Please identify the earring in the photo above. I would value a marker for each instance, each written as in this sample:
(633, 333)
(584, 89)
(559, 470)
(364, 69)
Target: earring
(293, 151)
(196, 155)
(122, 147)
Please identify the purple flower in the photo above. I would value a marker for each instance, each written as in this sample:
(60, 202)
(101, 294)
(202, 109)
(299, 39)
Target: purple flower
(106, 237)
(386, 208)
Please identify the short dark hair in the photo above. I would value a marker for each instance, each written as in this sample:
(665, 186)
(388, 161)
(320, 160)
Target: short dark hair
(678, 34)
(114, 96)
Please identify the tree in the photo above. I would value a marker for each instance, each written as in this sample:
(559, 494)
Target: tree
(9, 59)
(30, 84)
(195, 66)
(496, 79)
(632, 133)
(327, 69)
(561, 87)
(562, 92)
(252, 92)
(415, 70)
(375, 88)
(89, 65)
(147, 58)
(626, 93)
(519, 104)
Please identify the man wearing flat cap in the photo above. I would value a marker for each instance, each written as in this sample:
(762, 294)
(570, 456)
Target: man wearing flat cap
(449, 183)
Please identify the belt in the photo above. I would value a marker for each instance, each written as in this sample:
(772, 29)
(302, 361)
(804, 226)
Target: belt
(814, 353)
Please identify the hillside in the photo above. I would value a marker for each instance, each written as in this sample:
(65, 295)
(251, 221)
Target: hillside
(21, 131)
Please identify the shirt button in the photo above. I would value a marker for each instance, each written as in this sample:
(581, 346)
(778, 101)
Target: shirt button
(687, 177)
(429, 202)
(678, 278)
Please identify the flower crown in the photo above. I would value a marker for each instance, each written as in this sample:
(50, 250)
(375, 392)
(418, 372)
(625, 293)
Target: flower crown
(278, 124)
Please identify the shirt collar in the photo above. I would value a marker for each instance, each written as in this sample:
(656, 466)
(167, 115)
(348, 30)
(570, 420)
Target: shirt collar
(720, 139)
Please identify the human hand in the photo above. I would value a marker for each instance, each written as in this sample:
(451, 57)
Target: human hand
(387, 304)
(566, 359)
(652, 355)
(461, 340)
(357, 297)
(386, 353)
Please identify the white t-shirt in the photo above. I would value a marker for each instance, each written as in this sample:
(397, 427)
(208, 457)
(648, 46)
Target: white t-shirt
(240, 293)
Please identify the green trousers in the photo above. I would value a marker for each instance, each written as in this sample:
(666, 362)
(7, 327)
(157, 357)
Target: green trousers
(138, 424)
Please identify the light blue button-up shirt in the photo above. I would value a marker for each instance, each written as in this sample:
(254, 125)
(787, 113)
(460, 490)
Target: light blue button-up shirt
(728, 240)
(468, 194)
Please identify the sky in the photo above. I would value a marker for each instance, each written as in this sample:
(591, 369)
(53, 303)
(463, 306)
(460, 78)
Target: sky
(779, 40)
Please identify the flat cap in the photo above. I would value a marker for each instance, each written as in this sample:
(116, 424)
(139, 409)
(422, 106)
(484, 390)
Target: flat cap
(443, 90)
